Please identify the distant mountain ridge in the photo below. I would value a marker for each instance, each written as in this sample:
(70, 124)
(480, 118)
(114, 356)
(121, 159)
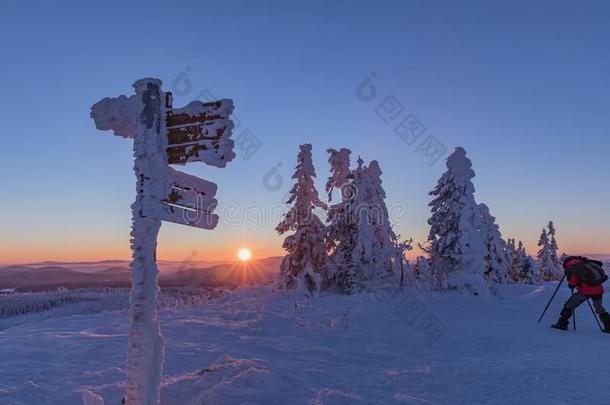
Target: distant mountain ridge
(61, 263)
(177, 274)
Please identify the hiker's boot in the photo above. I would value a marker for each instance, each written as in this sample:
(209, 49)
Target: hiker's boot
(564, 320)
(605, 317)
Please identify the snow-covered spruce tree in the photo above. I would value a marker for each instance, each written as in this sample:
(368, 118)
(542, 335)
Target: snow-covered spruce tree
(456, 248)
(545, 258)
(341, 174)
(422, 274)
(365, 255)
(518, 260)
(374, 254)
(511, 252)
(497, 261)
(400, 248)
(530, 272)
(304, 266)
(524, 269)
(379, 219)
(340, 231)
(360, 238)
(553, 248)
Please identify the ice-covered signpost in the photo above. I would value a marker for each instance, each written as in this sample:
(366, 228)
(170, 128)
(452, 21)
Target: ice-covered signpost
(162, 136)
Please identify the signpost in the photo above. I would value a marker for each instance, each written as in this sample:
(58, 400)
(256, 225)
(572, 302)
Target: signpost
(199, 132)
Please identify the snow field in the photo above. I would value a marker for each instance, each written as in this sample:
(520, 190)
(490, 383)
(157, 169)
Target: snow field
(260, 346)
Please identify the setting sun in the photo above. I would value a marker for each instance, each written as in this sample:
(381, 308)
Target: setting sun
(244, 254)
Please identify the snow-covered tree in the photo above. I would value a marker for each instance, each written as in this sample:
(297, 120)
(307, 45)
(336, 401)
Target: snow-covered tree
(530, 272)
(304, 266)
(425, 277)
(365, 249)
(373, 252)
(524, 269)
(341, 174)
(379, 219)
(340, 236)
(400, 248)
(422, 267)
(511, 252)
(554, 248)
(548, 271)
(497, 261)
(360, 238)
(456, 246)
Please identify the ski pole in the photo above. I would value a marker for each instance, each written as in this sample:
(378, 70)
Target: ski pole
(595, 316)
(551, 300)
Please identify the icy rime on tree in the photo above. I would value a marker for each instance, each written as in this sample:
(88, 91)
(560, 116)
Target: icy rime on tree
(547, 256)
(162, 136)
(374, 250)
(498, 258)
(456, 248)
(553, 248)
(513, 272)
(510, 255)
(305, 265)
(530, 270)
(523, 268)
(386, 247)
(360, 240)
(364, 253)
(341, 231)
(341, 174)
(400, 248)
(422, 274)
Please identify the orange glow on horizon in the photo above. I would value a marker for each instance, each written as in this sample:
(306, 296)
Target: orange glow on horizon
(198, 247)
(12, 254)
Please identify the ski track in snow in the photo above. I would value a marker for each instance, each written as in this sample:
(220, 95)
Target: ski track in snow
(261, 347)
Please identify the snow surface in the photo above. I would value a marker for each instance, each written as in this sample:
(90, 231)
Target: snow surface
(260, 346)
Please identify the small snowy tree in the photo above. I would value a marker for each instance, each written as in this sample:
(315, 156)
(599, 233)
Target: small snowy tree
(400, 248)
(524, 269)
(553, 248)
(530, 272)
(546, 264)
(341, 174)
(498, 260)
(511, 252)
(456, 246)
(305, 264)
(424, 279)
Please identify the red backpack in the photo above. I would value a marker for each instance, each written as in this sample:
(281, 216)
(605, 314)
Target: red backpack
(588, 271)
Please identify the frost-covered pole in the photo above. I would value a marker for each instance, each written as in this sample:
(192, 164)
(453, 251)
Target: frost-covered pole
(163, 136)
(145, 349)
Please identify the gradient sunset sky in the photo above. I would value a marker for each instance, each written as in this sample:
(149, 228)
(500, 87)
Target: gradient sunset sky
(523, 86)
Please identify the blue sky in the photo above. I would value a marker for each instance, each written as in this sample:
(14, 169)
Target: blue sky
(522, 86)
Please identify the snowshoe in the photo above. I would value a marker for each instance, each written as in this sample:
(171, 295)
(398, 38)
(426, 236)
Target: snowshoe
(560, 326)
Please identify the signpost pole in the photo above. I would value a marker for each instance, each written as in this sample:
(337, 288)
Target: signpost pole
(146, 344)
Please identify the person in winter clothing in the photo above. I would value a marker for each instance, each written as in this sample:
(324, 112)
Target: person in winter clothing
(587, 276)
